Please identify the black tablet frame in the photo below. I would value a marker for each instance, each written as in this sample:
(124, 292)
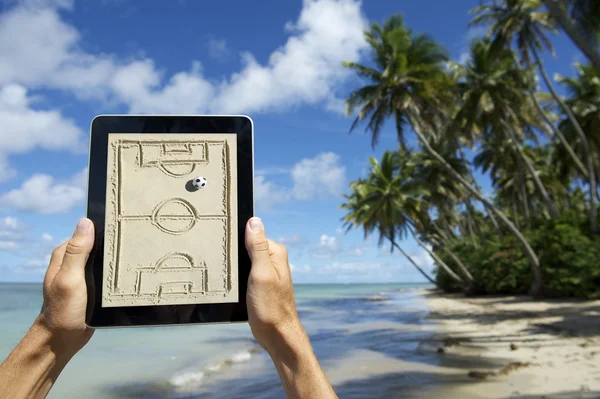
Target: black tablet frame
(101, 126)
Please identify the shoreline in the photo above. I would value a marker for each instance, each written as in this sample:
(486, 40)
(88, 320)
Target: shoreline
(515, 347)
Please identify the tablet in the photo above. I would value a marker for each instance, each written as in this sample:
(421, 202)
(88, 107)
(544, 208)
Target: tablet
(169, 197)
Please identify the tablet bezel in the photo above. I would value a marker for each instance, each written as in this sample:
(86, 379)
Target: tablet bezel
(98, 316)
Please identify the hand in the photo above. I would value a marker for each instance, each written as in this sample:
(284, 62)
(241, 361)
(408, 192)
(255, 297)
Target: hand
(270, 297)
(65, 291)
(274, 320)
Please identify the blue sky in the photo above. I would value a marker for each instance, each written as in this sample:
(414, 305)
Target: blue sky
(62, 62)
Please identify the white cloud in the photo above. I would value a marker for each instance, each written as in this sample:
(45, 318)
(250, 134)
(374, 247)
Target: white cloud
(36, 4)
(46, 53)
(474, 32)
(23, 129)
(306, 69)
(357, 272)
(318, 177)
(327, 247)
(272, 170)
(12, 233)
(138, 85)
(217, 49)
(42, 194)
(37, 264)
(351, 266)
(357, 249)
(423, 259)
(294, 240)
(300, 270)
(267, 194)
(47, 237)
(11, 222)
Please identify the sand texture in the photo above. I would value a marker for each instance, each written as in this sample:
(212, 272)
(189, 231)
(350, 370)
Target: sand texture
(167, 243)
(514, 347)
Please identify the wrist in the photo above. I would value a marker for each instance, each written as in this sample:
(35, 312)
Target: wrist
(290, 343)
(63, 348)
(32, 367)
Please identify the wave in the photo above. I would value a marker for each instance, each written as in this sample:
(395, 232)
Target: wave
(191, 380)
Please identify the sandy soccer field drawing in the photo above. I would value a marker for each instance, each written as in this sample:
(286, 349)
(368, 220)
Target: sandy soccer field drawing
(168, 242)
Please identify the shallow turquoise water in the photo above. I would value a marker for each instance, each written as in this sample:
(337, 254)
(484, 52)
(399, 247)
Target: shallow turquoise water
(174, 362)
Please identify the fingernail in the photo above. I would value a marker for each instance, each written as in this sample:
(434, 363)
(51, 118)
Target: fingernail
(83, 225)
(256, 224)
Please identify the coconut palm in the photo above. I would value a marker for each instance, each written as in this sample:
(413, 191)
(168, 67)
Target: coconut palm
(580, 19)
(388, 202)
(360, 215)
(409, 83)
(497, 157)
(495, 101)
(443, 192)
(526, 22)
(439, 194)
(584, 99)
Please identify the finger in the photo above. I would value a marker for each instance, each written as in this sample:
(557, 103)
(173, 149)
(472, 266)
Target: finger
(279, 259)
(257, 245)
(78, 248)
(56, 260)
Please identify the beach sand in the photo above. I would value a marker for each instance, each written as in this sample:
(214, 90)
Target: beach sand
(514, 347)
(152, 206)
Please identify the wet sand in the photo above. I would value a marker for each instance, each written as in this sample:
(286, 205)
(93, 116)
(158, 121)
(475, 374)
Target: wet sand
(373, 342)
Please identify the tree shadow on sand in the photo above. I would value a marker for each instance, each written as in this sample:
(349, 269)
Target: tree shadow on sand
(574, 321)
(562, 395)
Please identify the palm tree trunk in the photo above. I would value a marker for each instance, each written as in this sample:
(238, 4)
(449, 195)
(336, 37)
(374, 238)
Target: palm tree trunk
(440, 262)
(584, 141)
(540, 186)
(495, 223)
(456, 259)
(559, 12)
(432, 281)
(537, 285)
(471, 211)
(515, 210)
(441, 232)
(447, 226)
(555, 130)
(522, 194)
(461, 227)
(563, 140)
(470, 228)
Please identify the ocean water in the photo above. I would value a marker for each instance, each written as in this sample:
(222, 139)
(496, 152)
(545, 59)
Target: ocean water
(354, 329)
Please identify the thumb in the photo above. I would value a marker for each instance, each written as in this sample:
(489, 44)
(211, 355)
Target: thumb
(79, 247)
(256, 242)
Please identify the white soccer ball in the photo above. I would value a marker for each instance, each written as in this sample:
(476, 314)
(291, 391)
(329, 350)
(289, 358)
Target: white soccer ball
(199, 182)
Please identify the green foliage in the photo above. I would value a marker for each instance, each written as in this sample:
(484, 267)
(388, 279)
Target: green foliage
(537, 228)
(570, 261)
(497, 268)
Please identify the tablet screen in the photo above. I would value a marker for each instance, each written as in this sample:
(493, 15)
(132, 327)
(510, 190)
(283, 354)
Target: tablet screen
(171, 220)
(169, 196)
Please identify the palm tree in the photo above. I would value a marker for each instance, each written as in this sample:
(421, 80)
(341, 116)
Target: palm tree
(525, 22)
(497, 157)
(439, 193)
(443, 191)
(388, 201)
(409, 83)
(582, 25)
(494, 100)
(584, 100)
(359, 215)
